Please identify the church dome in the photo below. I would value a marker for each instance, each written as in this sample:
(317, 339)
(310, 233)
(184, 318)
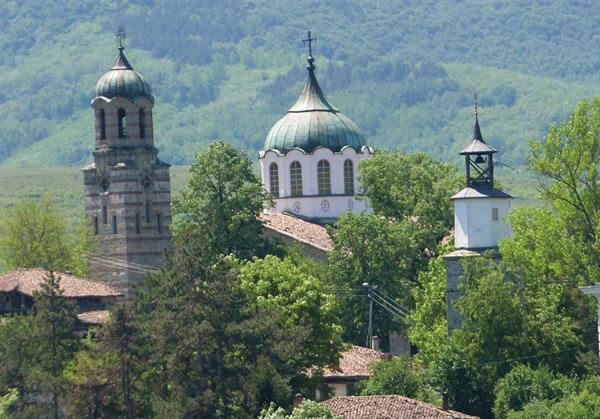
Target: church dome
(123, 81)
(313, 122)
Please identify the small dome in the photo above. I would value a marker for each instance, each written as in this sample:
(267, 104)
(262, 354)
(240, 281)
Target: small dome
(313, 122)
(123, 81)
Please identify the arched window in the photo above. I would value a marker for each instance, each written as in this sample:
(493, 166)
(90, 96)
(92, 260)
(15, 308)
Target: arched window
(324, 177)
(141, 121)
(147, 212)
(122, 123)
(138, 227)
(104, 215)
(95, 225)
(114, 224)
(348, 177)
(274, 179)
(296, 178)
(102, 124)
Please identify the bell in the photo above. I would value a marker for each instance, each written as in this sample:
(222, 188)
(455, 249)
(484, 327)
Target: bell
(479, 159)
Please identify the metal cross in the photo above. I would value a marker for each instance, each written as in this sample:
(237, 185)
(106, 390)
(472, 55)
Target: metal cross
(120, 34)
(309, 40)
(475, 102)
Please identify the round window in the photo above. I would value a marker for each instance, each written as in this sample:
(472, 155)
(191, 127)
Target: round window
(146, 181)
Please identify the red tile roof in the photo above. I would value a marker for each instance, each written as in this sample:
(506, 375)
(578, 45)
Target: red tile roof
(390, 406)
(354, 364)
(301, 230)
(28, 280)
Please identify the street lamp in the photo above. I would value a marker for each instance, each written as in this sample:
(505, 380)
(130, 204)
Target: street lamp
(370, 333)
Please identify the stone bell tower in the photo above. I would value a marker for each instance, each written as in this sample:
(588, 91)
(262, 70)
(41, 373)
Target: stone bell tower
(127, 188)
(480, 212)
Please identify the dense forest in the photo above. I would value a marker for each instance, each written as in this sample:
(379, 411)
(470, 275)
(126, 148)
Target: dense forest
(404, 71)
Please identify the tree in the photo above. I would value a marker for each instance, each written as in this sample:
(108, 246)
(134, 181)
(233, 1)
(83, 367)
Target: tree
(303, 303)
(306, 410)
(567, 161)
(213, 351)
(55, 342)
(416, 186)
(34, 235)
(220, 206)
(400, 376)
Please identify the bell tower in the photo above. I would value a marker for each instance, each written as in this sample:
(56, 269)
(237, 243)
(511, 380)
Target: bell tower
(127, 188)
(480, 212)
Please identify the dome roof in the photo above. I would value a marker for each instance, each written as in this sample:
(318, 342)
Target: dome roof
(123, 81)
(313, 122)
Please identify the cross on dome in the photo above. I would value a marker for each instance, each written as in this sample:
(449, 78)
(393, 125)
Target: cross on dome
(309, 40)
(120, 35)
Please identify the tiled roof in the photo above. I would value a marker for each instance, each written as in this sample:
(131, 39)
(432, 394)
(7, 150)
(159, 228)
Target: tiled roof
(28, 280)
(354, 364)
(298, 229)
(93, 317)
(390, 406)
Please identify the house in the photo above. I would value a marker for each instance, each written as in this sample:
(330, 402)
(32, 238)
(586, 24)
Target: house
(352, 368)
(390, 406)
(91, 297)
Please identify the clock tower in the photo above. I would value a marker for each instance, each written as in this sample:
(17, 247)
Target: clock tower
(127, 188)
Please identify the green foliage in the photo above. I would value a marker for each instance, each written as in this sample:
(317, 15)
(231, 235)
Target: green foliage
(218, 211)
(16, 355)
(300, 297)
(307, 409)
(430, 330)
(400, 376)
(523, 385)
(34, 235)
(7, 403)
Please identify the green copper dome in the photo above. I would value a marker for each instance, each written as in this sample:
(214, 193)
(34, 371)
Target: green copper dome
(123, 81)
(313, 122)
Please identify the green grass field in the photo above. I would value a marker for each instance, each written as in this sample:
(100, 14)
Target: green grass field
(65, 185)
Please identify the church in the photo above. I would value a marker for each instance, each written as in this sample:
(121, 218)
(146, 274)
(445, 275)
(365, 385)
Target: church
(309, 164)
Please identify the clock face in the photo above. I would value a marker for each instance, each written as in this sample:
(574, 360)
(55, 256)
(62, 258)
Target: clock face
(104, 184)
(146, 182)
(297, 207)
(325, 205)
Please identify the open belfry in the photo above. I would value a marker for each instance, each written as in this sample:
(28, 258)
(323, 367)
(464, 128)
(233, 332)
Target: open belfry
(127, 188)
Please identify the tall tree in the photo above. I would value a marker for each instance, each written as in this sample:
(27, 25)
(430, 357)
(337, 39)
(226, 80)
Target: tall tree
(218, 210)
(34, 235)
(54, 339)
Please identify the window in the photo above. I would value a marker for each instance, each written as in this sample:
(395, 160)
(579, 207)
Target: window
(323, 177)
(141, 121)
(104, 215)
(348, 177)
(495, 214)
(102, 124)
(122, 123)
(114, 224)
(138, 228)
(296, 178)
(96, 225)
(158, 224)
(147, 212)
(274, 179)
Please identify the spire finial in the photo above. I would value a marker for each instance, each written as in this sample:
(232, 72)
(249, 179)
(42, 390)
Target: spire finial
(475, 103)
(309, 40)
(120, 35)
(310, 59)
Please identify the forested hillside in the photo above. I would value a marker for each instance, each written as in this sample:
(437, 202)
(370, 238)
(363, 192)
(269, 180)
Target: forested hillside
(404, 71)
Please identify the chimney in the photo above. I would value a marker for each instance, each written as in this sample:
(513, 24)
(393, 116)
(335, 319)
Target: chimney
(375, 343)
(445, 402)
(297, 400)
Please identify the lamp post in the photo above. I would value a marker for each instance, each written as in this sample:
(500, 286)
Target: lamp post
(370, 332)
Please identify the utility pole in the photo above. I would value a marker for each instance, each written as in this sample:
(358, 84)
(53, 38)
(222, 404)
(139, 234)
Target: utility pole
(370, 332)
